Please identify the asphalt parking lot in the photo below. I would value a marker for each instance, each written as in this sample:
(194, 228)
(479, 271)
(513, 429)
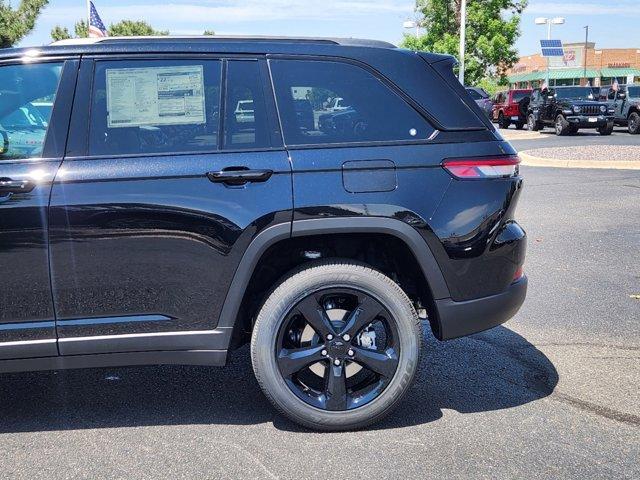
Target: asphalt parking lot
(551, 394)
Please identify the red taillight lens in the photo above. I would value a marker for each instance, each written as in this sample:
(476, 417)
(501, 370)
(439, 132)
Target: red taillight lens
(482, 167)
(518, 275)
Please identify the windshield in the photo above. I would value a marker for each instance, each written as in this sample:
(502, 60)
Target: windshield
(633, 91)
(578, 93)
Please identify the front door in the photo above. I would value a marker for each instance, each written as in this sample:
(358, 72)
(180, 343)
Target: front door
(150, 215)
(34, 113)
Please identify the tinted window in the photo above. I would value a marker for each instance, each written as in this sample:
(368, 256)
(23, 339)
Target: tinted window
(331, 102)
(246, 113)
(576, 93)
(155, 106)
(517, 96)
(633, 91)
(23, 125)
(473, 94)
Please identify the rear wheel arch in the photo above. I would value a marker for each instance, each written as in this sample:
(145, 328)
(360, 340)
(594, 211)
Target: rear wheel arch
(277, 242)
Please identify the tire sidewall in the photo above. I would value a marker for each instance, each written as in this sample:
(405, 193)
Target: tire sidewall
(299, 286)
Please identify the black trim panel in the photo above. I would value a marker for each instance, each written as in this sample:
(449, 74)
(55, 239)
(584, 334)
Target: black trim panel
(217, 339)
(458, 319)
(215, 358)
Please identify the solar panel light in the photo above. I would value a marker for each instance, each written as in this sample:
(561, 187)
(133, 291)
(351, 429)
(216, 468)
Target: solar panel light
(541, 20)
(558, 20)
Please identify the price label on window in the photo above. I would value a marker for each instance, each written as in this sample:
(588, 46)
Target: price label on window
(155, 96)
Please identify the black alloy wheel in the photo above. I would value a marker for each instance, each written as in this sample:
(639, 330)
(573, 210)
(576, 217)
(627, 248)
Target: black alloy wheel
(338, 349)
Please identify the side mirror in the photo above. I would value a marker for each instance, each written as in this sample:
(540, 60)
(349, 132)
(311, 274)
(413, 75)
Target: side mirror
(550, 97)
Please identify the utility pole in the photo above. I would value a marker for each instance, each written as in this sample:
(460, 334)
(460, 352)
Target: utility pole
(586, 42)
(463, 28)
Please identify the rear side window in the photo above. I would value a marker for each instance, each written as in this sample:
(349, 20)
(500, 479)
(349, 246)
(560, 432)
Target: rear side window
(27, 93)
(324, 102)
(246, 123)
(155, 106)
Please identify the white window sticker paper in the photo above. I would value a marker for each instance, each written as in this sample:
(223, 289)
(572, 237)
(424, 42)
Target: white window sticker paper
(155, 96)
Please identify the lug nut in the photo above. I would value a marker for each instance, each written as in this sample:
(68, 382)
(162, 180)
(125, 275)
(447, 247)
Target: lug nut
(324, 353)
(350, 352)
(329, 337)
(336, 362)
(346, 337)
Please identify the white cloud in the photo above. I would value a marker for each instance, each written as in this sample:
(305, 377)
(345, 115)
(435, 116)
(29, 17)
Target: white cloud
(619, 7)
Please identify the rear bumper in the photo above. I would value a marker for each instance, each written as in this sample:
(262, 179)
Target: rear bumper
(582, 121)
(457, 319)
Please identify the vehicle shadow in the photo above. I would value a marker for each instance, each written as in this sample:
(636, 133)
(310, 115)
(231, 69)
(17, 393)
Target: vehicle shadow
(494, 370)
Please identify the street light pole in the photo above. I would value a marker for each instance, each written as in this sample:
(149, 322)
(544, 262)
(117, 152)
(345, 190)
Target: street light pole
(463, 31)
(586, 42)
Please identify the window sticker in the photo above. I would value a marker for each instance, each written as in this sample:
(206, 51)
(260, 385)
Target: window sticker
(155, 96)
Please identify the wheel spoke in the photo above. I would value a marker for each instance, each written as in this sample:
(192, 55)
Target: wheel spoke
(366, 311)
(316, 316)
(336, 393)
(293, 360)
(384, 363)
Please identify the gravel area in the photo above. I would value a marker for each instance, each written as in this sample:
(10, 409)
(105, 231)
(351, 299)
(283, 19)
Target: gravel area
(589, 152)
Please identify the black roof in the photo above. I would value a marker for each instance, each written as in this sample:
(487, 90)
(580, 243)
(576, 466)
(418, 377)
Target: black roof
(196, 44)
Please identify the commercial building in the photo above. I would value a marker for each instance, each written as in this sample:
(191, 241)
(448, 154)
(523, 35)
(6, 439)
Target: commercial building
(603, 67)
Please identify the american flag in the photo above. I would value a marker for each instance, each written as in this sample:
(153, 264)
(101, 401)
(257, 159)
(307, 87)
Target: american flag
(96, 27)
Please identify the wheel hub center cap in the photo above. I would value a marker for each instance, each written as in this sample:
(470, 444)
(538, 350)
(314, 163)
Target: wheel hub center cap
(338, 348)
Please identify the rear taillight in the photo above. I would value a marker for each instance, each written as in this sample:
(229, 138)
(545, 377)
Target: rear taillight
(519, 274)
(482, 167)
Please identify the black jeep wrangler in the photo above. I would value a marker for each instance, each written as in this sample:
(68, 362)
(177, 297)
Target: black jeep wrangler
(150, 220)
(568, 109)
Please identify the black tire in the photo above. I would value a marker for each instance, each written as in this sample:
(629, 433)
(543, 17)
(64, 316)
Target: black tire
(561, 125)
(633, 123)
(519, 126)
(503, 122)
(573, 130)
(532, 124)
(306, 286)
(607, 129)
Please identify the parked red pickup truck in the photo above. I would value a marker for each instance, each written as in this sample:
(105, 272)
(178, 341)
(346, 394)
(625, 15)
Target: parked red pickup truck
(510, 107)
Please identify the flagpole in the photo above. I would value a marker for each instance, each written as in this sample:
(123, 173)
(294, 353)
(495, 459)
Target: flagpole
(88, 16)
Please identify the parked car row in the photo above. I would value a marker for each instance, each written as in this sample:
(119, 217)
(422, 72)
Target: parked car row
(566, 109)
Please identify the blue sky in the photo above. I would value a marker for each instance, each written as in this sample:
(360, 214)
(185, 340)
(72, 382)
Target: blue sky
(612, 23)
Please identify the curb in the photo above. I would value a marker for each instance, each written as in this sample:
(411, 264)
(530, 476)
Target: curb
(533, 161)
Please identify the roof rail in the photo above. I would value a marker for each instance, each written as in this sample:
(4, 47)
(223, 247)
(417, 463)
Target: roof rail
(356, 42)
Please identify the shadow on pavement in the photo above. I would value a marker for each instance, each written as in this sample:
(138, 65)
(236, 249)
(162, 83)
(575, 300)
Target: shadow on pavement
(490, 371)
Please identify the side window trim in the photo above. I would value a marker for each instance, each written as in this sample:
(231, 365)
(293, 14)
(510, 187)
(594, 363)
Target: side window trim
(78, 143)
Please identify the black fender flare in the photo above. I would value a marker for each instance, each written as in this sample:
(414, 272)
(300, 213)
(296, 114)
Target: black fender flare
(326, 226)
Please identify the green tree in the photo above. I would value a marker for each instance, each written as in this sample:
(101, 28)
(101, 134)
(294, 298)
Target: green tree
(131, 28)
(125, 28)
(208, 32)
(16, 24)
(60, 33)
(492, 28)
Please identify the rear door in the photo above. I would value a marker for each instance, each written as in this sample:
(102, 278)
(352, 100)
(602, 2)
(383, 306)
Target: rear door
(35, 101)
(174, 167)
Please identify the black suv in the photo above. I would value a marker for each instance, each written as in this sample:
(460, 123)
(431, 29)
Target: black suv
(177, 203)
(568, 109)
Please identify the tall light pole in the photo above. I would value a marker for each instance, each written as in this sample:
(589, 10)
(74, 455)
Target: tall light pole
(548, 22)
(412, 24)
(463, 31)
(586, 42)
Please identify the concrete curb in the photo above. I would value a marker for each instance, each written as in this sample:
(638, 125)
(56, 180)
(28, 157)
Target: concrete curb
(533, 161)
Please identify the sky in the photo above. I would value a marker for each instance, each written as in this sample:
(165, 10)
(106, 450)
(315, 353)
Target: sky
(611, 23)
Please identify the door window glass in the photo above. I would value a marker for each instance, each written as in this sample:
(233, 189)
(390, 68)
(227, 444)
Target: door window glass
(27, 93)
(246, 124)
(324, 102)
(155, 106)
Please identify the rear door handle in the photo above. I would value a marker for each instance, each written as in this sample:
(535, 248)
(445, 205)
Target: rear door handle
(9, 186)
(239, 176)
